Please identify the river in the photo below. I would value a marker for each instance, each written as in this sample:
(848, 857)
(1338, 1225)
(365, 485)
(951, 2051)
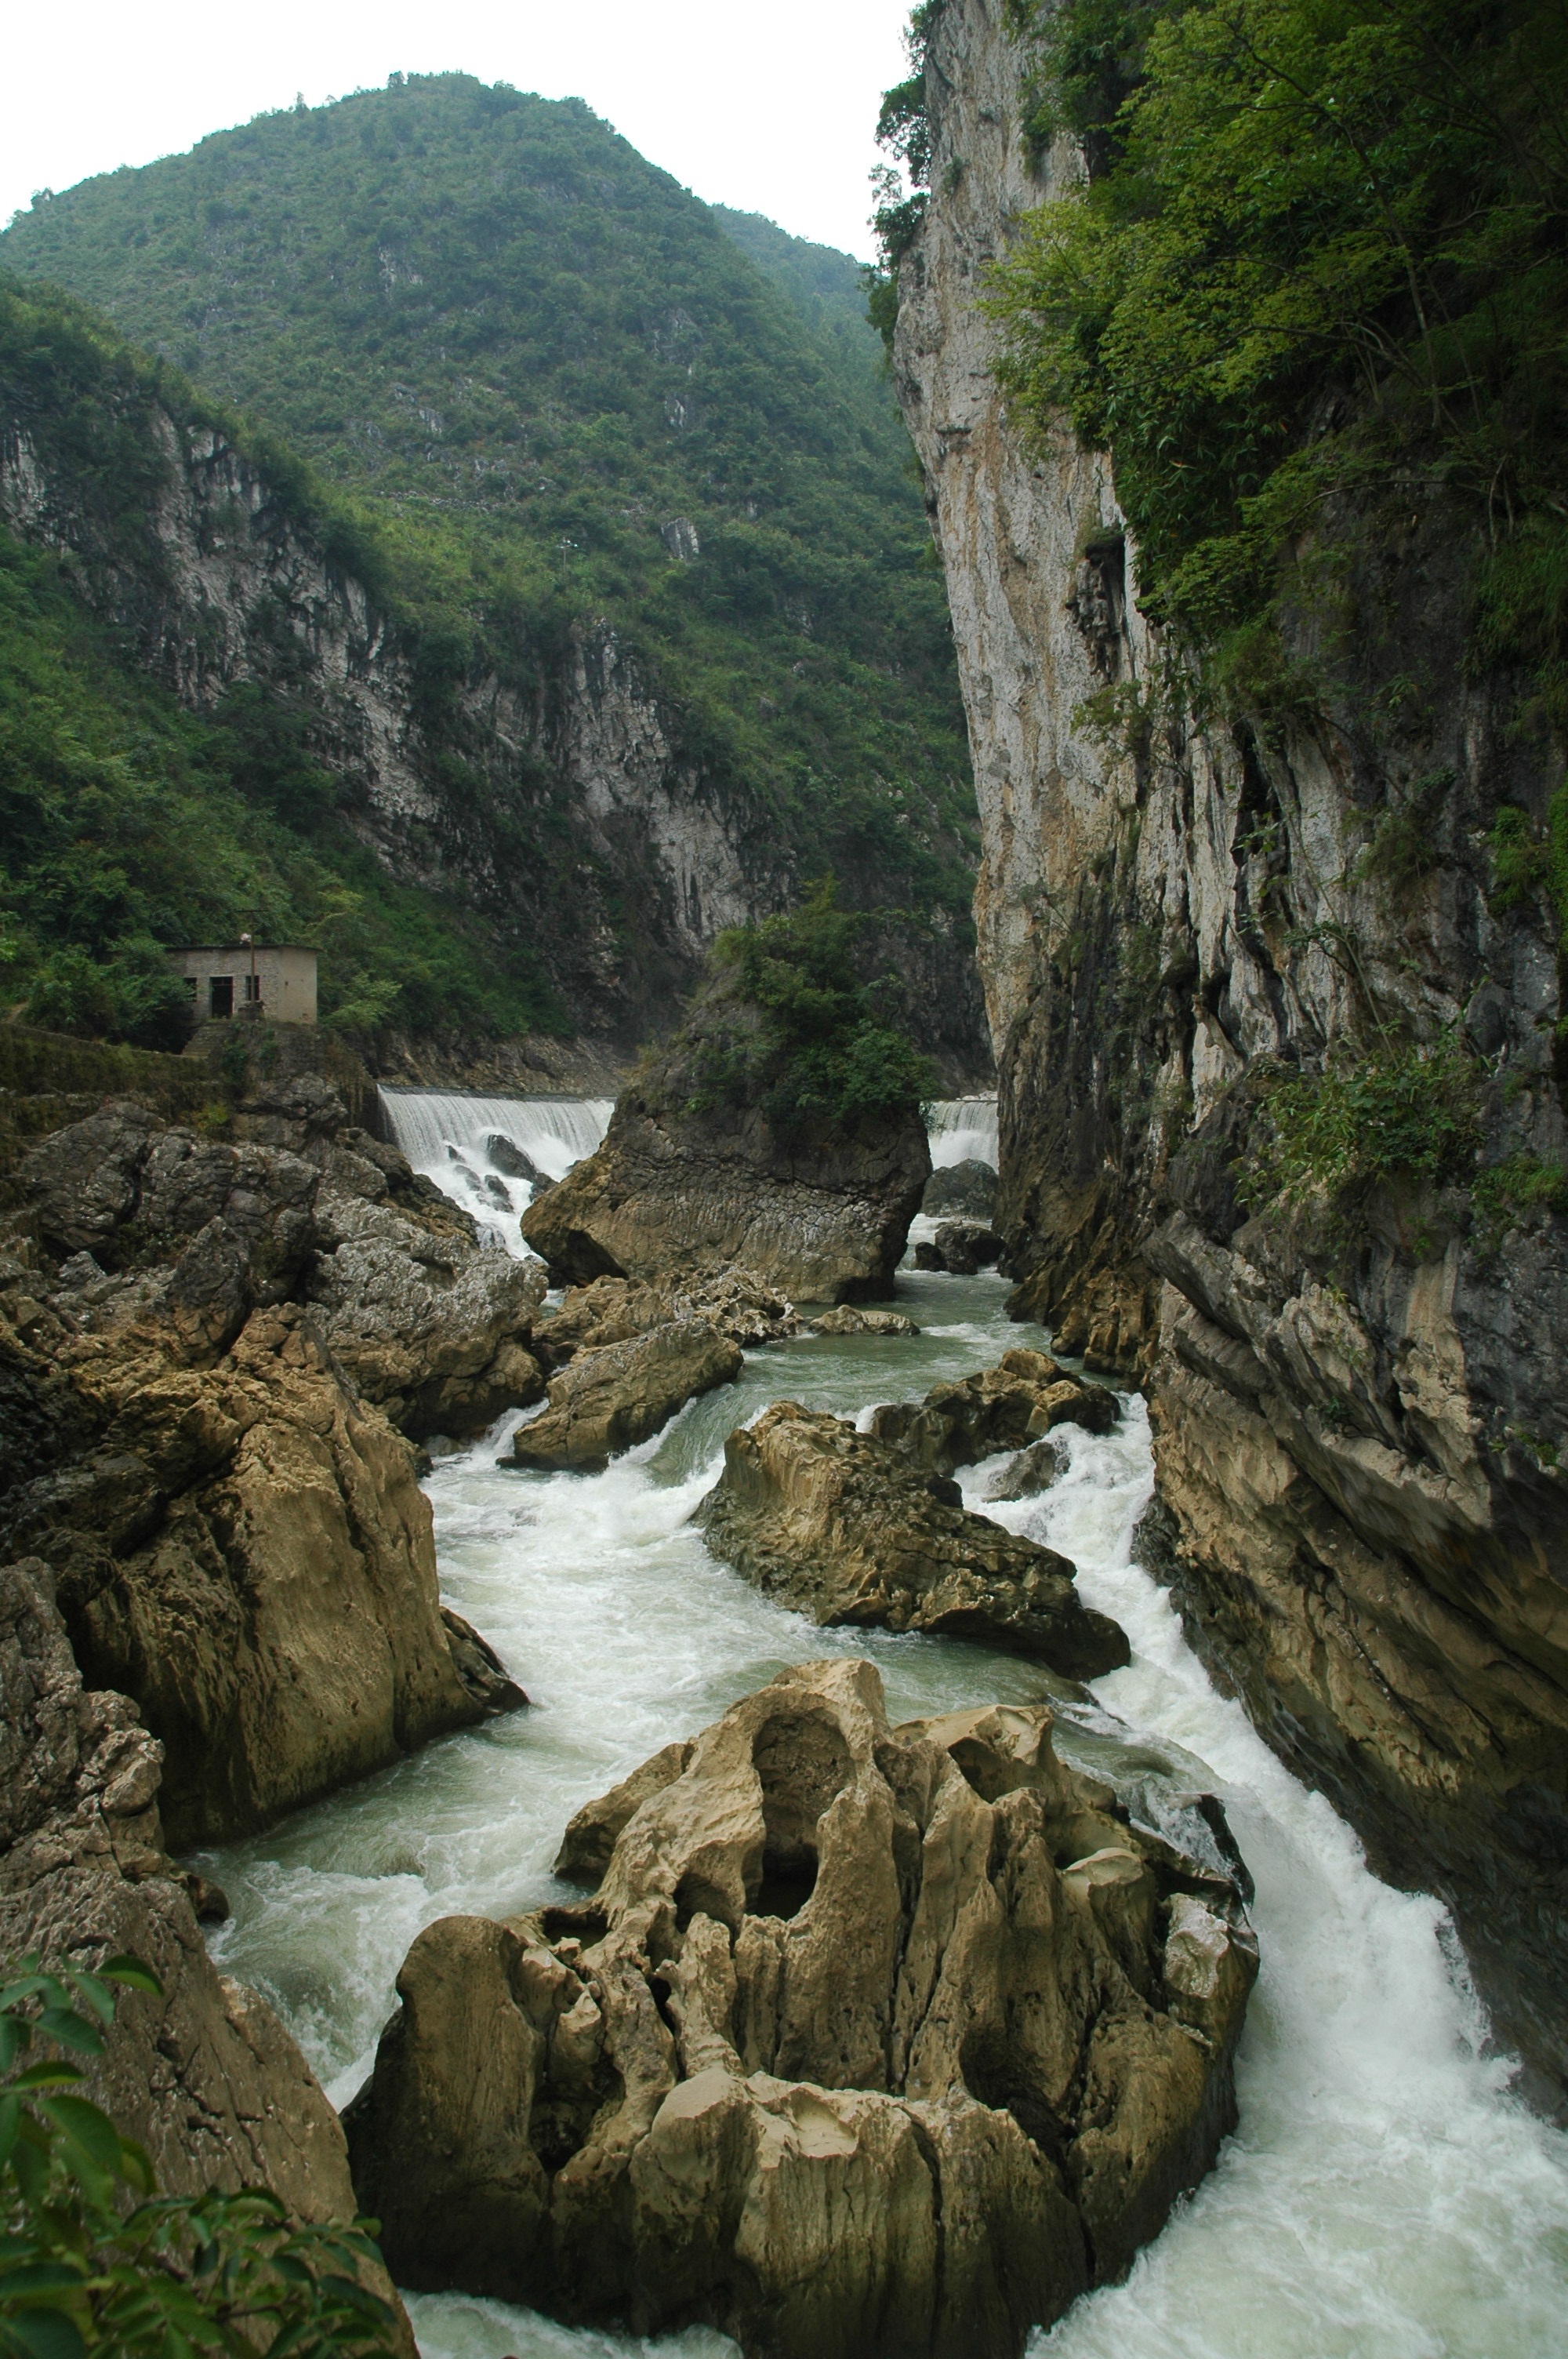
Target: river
(1385, 2197)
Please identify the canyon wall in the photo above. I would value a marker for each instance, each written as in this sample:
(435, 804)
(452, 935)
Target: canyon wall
(1360, 1409)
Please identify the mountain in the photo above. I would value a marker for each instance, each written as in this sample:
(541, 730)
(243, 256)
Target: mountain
(636, 509)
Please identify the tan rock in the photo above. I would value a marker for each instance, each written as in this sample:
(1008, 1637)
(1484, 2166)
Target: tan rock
(611, 1398)
(1004, 1408)
(851, 1319)
(671, 1194)
(847, 2058)
(205, 2077)
(844, 1528)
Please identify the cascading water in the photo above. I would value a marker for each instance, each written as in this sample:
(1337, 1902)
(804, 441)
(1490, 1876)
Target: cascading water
(962, 1130)
(461, 1143)
(1384, 2196)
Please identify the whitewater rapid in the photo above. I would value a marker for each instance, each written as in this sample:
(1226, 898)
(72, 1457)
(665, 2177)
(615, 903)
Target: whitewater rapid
(1384, 2197)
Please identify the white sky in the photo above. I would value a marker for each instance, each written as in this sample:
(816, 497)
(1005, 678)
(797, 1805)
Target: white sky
(771, 109)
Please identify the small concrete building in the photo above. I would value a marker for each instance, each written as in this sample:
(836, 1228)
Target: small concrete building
(275, 980)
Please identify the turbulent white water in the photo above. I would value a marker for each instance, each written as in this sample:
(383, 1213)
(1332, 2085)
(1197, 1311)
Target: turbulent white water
(962, 1129)
(1384, 2197)
(449, 1136)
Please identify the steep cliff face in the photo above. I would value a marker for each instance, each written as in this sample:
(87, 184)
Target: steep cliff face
(637, 855)
(1359, 1411)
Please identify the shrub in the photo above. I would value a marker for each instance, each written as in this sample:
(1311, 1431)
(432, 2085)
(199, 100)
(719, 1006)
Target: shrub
(94, 2261)
(1406, 1112)
(786, 1025)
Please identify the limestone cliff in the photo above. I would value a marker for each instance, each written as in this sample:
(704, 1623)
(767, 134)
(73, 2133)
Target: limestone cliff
(1358, 1418)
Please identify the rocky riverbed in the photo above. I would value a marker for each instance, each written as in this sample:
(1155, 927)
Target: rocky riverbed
(1382, 2192)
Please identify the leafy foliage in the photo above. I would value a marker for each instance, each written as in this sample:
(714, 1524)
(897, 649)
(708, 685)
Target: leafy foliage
(788, 1026)
(1403, 1113)
(126, 825)
(94, 2261)
(522, 357)
(1321, 251)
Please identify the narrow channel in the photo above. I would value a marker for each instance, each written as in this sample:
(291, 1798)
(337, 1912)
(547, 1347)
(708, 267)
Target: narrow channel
(1385, 2197)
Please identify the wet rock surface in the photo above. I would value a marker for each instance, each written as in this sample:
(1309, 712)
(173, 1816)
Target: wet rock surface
(845, 1528)
(821, 1216)
(612, 1395)
(1004, 1407)
(873, 2043)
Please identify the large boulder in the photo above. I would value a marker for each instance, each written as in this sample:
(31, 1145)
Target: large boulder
(845, 1529)
(874, 2043)
(966, 1189)
(820, 1214)
(612, 1310)
(614, 1395)
(238, 1535)
(1005, 1407)
(204, 2078)
(432, 1328)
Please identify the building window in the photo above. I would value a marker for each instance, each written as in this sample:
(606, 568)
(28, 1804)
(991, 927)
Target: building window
(253, 990)
(220, 991)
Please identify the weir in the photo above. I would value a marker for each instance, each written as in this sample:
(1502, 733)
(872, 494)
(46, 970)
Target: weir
(460, 1140)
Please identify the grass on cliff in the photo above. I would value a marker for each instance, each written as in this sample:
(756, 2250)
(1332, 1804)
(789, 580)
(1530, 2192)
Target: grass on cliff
(788, 1024)
(127, 825)
(523, 360)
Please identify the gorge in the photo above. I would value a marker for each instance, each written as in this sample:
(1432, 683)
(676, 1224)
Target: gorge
(769, 1711)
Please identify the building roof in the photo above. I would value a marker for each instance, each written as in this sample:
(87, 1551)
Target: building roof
(189, 950)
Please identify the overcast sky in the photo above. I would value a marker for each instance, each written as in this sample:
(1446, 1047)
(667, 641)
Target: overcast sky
(769, 109)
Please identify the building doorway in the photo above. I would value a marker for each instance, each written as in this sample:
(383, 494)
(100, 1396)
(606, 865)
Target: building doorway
(221, 988)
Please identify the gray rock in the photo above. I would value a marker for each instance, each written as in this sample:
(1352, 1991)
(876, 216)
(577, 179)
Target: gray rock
(609, 1398)
(968, 1189)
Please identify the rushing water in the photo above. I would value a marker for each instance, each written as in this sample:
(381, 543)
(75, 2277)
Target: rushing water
(962, 1128)
(454, 1139)
(1384, 2197)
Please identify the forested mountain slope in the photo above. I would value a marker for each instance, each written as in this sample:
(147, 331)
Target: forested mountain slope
(629, 506)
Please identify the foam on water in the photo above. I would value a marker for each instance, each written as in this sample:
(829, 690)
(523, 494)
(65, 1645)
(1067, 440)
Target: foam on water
(963, 1129)
(446, 1134)
(1384, 2197)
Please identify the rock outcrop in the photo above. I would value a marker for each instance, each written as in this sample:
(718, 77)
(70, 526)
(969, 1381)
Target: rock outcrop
(1004, 1408)
(962, 1248)
(851, 1319)
(204, 2078)
(612, 1310)
(873, 2044)
(238, 1536)
(611, 1397)
(845, 1529)
(821, 1216)
(966, 1189)
(1359, 1417)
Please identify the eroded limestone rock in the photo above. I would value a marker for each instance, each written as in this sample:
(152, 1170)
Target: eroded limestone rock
(1004, 1407)
(844, 1528)
(610, 1397)
(874, 2043)
(819, 1216)
(966, 1189)
(857, 1318)
(205, 2078)
(238, 1536)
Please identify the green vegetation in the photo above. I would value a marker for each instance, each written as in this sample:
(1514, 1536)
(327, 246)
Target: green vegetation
(1400, 1113)
(127, 824)
(787, 1025)
(94, 2261)
(543, 384)
(1321, 252)
(1526, 862)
